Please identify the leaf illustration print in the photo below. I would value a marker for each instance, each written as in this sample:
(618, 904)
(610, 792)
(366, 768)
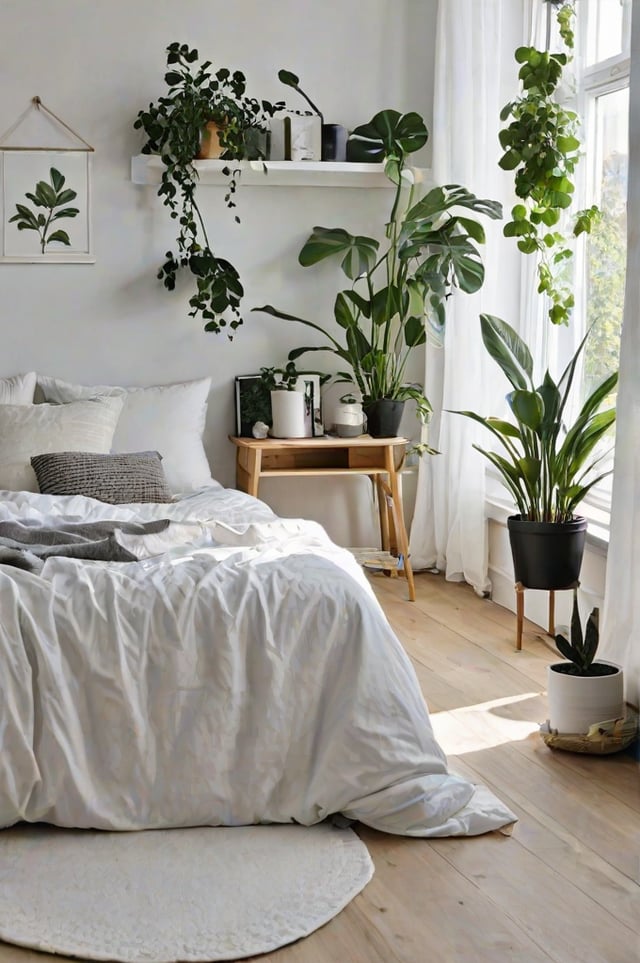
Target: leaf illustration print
(49, 200)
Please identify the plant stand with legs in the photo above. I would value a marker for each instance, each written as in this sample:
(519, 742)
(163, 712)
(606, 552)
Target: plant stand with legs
(551, 630)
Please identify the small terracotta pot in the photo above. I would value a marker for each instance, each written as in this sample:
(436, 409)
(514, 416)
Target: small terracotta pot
(210, 148)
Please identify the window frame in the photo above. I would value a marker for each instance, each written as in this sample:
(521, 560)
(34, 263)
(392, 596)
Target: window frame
(593, 81)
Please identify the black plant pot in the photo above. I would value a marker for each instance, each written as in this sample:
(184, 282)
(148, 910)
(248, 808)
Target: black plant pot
(547, 555)
(384, 417)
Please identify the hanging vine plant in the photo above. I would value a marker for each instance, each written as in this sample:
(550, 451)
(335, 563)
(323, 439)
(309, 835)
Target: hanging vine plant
(174, 126)
(542, 147)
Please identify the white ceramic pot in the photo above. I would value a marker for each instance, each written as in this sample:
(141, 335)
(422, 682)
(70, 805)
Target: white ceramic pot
(348, 420)
(287, 413)
(577, 702)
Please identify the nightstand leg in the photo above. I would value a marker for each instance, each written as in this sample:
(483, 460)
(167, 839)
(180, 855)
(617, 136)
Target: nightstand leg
(248, 464)
(398, 521)
(383, 511)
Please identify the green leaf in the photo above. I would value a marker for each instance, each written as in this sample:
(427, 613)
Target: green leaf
(361, 303)
(387, 302)
(65, 196)
(38, 201)
(57, 179)
(288, 78)
(414, 332)
(473, 228)
(343, 312)
(359, 251)
(592, 637)
(509, 161)
(530, 470)
(388, 133)
(566, 649)
(508, 349)
(528, 407)
(46, 194)
(65, 212)
(60, 236)
(274, 312)
(504, 427)
(576, 627)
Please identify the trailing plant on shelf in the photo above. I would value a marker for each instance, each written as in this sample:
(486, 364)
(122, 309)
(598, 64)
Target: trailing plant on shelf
(547, 467)
(542, 148)
(396, 290)
(173, 126)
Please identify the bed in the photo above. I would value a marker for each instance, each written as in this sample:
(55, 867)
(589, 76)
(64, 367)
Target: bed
(236, 669)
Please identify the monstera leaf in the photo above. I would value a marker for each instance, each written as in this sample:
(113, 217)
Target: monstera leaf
(389, 133)
(359, 251)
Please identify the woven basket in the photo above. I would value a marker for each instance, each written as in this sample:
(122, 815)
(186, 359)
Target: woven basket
(601, 739)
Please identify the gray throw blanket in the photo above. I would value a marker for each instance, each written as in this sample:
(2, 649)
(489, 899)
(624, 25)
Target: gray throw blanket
(27, 545)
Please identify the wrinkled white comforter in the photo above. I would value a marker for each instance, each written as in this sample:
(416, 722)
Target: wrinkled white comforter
(242, 673)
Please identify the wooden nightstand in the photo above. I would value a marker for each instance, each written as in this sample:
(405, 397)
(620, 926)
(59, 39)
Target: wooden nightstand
(379, 458)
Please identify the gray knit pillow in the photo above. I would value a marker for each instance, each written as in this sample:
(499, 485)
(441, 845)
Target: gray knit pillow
(117, 479)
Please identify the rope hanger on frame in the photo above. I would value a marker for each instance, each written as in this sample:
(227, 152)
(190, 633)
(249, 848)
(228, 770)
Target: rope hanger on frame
(37, 104)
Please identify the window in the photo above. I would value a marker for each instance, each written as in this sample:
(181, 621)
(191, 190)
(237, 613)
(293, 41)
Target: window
(603, 29)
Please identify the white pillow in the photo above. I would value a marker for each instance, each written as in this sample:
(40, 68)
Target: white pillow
(27, 430)
(18, 390)
(165, 418)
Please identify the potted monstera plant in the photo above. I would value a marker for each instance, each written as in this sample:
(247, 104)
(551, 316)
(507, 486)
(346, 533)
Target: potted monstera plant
(548, 466)
(398, 287)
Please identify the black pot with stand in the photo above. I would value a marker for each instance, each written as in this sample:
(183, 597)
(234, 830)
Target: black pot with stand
(546, 555)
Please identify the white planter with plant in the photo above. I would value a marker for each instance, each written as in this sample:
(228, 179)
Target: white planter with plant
(581, 691)
(288, 400)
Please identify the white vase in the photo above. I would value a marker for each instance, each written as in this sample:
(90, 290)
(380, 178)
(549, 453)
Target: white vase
(348, 420)
(577, 702)
(287, 413)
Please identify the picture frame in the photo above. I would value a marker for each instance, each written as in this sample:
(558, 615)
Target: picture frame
(45, 206)
(317, 424)
(253, 403)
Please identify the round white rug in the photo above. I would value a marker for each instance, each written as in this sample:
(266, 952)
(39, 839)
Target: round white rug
(179, 894)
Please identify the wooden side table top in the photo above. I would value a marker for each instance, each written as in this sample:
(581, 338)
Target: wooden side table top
(324, 441)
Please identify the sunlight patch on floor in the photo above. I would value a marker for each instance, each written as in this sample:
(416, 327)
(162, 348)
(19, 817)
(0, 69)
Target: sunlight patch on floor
(480, 726)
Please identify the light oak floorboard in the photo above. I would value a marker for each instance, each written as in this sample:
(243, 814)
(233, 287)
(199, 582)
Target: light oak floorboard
(564, 887)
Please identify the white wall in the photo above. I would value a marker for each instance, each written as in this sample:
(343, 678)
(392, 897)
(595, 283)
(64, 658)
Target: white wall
(96, 64)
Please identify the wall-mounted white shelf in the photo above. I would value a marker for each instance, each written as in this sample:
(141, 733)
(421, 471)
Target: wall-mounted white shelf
(147, 169)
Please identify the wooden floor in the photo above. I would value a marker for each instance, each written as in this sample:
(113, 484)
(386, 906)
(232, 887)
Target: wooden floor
(563, 887)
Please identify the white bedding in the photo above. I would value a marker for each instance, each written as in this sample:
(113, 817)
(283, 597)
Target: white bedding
(249, 676)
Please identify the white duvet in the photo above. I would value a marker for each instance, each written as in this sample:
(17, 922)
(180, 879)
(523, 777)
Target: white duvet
(243, 672)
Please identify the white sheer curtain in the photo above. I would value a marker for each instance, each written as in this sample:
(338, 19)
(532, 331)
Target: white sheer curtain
(449, 529)
(621, 623)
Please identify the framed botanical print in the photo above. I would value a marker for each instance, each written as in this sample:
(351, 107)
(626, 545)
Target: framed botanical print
(45, 206)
